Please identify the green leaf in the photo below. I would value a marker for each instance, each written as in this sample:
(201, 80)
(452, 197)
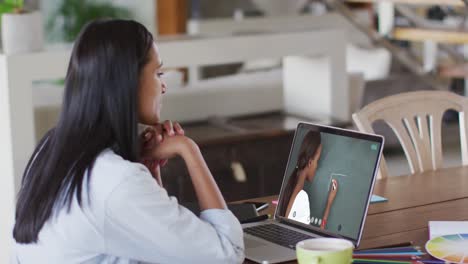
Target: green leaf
(14, 3)
(74, 14)
(6, 8)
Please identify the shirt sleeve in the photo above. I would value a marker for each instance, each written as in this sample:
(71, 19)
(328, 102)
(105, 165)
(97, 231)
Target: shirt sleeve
(143, 223)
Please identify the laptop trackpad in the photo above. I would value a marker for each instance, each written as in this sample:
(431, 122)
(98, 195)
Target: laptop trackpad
(251, 243)
(261, 252)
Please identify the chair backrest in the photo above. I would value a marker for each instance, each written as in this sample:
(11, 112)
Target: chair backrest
(416, 119)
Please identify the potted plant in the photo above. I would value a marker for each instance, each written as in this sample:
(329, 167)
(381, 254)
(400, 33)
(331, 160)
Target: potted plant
(70, 16)
(21, 30)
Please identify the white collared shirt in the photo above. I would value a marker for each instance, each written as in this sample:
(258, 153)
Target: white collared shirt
(300, 210)
(129, 218)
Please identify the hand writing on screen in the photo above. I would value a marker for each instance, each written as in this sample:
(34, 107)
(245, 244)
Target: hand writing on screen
(331, 198)
(333, 191)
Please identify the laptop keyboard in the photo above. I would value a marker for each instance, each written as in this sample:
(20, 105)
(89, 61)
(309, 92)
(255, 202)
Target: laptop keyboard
(277, 234)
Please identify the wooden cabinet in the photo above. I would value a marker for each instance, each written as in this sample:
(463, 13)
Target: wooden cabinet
(258, 145)
(262, 160)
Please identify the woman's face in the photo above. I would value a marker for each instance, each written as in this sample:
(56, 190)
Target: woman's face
(150, 90)
(313, 164)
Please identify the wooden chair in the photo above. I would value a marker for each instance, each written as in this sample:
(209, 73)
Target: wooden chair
(416, 119)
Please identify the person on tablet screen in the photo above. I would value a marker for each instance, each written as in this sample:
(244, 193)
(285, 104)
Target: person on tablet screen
(297, 206)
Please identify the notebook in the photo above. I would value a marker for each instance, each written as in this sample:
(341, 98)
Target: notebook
(441, 228)
(377, 199)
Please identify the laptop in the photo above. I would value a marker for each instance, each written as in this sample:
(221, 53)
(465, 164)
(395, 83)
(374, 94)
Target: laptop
(326, 192)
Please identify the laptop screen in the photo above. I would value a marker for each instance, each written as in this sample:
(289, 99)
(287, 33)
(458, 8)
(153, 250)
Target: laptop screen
(329, 178)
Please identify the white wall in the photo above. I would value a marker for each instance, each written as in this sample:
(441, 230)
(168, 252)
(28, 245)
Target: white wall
(7, 189)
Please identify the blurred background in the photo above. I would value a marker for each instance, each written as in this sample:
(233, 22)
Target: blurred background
(242, 73)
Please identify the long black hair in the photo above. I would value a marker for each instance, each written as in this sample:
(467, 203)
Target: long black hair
(99, 111)
(309, 147)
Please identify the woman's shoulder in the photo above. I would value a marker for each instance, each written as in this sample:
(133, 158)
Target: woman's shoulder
(109, 161)
(110, 170)
(302, 195)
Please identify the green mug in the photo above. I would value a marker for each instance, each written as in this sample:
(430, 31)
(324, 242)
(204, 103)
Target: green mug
(324, 251)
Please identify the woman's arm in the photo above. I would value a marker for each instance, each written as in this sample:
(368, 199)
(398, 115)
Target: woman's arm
(325, 215)
(206, 189)
(166, 140)
(143, 223)
(149, 139)
(331, 198)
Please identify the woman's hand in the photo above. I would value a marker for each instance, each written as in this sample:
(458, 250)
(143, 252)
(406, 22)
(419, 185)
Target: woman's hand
(170, 147)
(151, 137)
(172, 144)
(333, 191)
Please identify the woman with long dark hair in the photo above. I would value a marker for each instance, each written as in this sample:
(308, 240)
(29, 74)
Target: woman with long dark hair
(295, 204)
(86, 197)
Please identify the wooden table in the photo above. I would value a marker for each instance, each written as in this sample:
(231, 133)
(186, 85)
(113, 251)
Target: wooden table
(412, 201)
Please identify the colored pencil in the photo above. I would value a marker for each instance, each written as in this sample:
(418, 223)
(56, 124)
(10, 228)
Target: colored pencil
(379, 261)
(388, 257)
(415, 253)
(431, 262)
(389, 249)
(404, 244)
(393, 254)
